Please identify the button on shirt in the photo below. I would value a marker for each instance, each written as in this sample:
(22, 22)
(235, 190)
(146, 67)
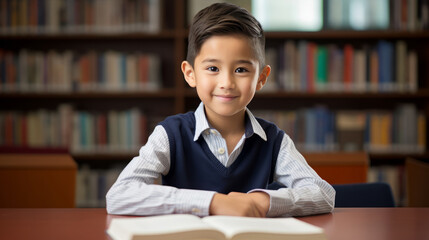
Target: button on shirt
(217, 146)
(134, 192)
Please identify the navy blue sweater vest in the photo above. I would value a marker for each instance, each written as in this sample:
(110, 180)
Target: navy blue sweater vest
(193, 165)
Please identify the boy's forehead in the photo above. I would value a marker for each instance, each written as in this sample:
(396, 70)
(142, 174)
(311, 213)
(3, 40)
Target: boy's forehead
(220, 47)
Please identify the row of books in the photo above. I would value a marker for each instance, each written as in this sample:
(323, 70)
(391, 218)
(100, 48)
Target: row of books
(312, 129)
(92, 185)
(78, 131)
(34, 71)
(377, 131)
(79, 16)
(408, 15)
(308, 66)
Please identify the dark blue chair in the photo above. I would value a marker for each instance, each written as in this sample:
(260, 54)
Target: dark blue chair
(377, 194)
(364, 195)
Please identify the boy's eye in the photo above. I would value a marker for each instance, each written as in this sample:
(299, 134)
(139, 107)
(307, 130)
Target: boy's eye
(241, 70)
(213, 69)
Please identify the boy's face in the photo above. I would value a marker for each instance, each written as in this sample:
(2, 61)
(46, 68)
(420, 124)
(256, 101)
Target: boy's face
(226, 75)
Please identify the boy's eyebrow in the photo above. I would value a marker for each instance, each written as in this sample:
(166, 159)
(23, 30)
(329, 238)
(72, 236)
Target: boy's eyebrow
(245, 62)
(213, 60)
(210, 60)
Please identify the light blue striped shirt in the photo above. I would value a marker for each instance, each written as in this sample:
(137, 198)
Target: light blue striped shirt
(134, 192)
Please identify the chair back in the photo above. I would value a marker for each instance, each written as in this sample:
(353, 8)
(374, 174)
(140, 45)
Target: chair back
(364, 195)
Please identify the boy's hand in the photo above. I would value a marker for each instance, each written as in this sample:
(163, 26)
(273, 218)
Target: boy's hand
(254, 204)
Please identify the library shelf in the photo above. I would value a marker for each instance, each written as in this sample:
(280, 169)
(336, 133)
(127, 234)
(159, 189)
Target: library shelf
(170, 44)
(175, 97)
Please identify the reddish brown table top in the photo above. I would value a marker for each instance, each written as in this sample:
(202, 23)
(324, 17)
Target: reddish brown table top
(343, 223)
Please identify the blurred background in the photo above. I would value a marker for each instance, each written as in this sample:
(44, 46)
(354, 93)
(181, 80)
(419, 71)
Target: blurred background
(91, 78)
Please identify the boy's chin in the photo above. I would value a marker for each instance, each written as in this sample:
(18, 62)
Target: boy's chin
(226, 111)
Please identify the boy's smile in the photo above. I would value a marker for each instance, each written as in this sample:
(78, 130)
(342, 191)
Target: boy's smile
(226, 75)
(226, 98)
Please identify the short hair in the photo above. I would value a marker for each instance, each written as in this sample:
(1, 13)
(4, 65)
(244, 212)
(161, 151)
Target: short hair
(225, 19)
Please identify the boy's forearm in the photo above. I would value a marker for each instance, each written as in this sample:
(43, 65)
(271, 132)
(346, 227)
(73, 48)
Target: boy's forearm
(240, 204)
(147, 199)
(300, 201)
(262, 199)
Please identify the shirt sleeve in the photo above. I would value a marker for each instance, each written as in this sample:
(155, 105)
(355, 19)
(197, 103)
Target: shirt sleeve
(135, 191)
(305, 192)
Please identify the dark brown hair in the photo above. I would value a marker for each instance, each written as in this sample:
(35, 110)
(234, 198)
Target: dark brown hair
(225, 19)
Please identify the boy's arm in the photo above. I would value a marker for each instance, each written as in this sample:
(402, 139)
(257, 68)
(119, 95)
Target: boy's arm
(134, 193)
(240, 204)
(305, 192)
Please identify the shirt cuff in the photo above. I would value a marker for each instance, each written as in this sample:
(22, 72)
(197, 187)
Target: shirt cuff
(277, 202)
(196, 202)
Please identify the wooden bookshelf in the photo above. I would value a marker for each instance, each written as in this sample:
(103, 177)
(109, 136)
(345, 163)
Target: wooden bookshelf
(175, 96)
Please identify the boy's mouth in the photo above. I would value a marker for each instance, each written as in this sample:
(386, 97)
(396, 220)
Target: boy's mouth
(225, 97)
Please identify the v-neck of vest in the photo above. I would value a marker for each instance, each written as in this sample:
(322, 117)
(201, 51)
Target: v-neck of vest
(213, 159)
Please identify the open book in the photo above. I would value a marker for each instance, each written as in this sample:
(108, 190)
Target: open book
(188, 227)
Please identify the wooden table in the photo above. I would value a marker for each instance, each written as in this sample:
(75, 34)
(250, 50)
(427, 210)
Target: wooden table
(343, 223)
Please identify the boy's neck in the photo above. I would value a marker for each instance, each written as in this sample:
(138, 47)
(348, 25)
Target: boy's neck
(228, 125)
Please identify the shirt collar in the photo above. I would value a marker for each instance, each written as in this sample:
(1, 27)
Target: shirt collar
(252, 125)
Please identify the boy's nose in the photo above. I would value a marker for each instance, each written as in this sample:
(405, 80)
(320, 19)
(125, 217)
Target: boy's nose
(227, 81)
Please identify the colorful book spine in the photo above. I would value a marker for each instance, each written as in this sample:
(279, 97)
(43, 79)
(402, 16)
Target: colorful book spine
(322, 68)
(386, 66)
(348, 67)
(311, 66)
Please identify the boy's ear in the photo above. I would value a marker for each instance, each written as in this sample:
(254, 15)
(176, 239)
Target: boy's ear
(188, 73)
(263, 77)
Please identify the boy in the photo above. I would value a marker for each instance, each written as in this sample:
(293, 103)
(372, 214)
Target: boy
(220, 158)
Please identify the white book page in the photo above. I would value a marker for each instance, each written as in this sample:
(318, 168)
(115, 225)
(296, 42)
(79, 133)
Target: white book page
(156, 227)
(232, 226)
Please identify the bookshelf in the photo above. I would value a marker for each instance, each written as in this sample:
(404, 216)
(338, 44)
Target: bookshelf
(169, 44)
